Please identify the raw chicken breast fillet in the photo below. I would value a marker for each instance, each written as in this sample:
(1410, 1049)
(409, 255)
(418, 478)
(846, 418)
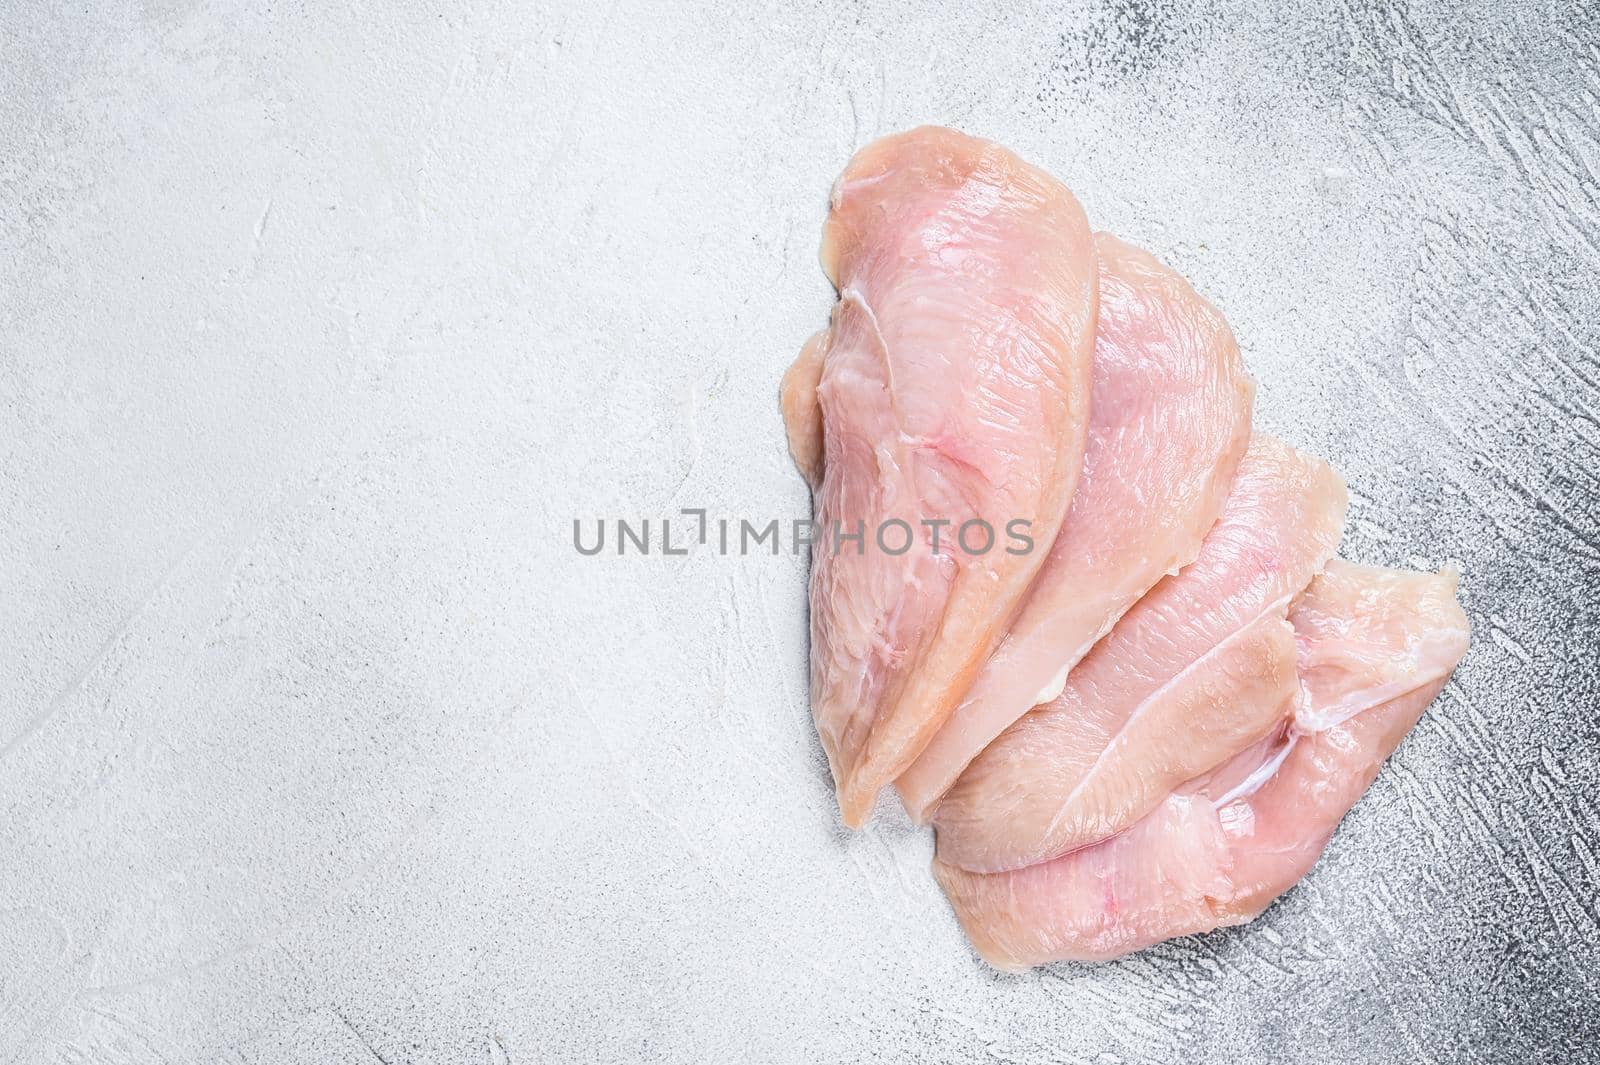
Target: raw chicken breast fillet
(1168, 424)
(1374, 647)
(952, 385)
(1143, 711)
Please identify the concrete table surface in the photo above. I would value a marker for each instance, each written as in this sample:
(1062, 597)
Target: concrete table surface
(321, 323)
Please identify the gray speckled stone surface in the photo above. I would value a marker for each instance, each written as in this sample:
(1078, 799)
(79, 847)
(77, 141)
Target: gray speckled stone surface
(320, 324)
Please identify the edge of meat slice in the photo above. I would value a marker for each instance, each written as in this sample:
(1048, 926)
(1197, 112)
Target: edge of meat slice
(1362, 637)
(1220, 849)
(1141, 713)
(952, 384)
(802, 414)
(1168, 425)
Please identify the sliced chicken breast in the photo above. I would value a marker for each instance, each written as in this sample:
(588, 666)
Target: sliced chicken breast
(1141, 713)
(1168, 424)
(1218, 850)
(952, 387)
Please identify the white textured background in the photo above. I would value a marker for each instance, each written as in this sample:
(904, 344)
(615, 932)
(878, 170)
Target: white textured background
(320, 322)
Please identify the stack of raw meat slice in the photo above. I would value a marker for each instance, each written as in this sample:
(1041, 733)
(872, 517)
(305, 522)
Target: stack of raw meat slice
(1145, 716)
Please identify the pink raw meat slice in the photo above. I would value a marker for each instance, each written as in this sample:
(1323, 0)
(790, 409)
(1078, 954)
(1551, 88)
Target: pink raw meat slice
(1218, 850)
(952, 385)
(1139, 715)
(1168, 425)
